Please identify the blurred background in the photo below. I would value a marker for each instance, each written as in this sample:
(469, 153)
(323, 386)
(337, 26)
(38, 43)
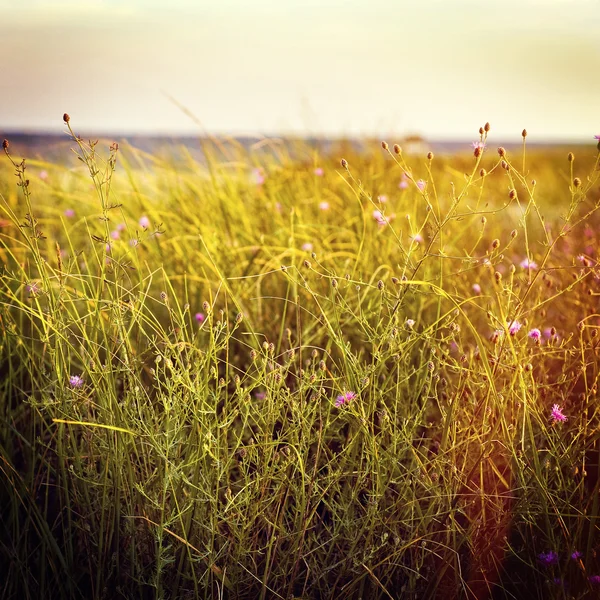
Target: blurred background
(315, 68)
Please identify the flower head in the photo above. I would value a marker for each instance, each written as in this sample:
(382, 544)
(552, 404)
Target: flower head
(597, 137)
(144, 222)
(199, 317)
(535, 334)
(307, 247)
(476, 288)
(324, 205)
(75, 381)
(528, 264)
(69, 212)
(258, 176)
(576, 555)
(410, 323)
(319, 172)
(479, 145)
(421, 184)
(514, 327)
(548, 558)
(594, 579)
(556, 414)
(344, 398)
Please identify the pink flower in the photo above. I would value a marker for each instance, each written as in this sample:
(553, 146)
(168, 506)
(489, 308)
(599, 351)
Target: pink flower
(421, 184)
(121, 226)
(514, 327)
(344, 398)
(144, 222)
(597, 137)
(478, 145)
(319, 172)
(418, 238)
(133, 242)
(115, 235)
(556, 414)
(476, 288)
(199, 317)
(380, 218)
(43, 175)
(69, 213)
(410, 323)
(383, 198)
(307, 247)
(403, 184)
(535, 334)
(75, 381)
(258, 176)
(528, 264)
(324, 205)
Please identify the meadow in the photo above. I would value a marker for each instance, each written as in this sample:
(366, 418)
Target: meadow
(277, 374)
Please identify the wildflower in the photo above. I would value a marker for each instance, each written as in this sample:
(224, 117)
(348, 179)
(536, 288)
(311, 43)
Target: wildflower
(43, 175)
(260, 395)
(344, 398)
(403, 184)
(75, 381)
(479, 145)
(476, 288)
(597, 137)
(410, 323)
(576, 555)
(121, 226)
(324, 205)
(199, 317)
(319, 172)
(307, 247)
(258, 176)
(548, 558)
(382, 198)
(418, 238)
(33, 288)
(535, 334)
(133, 242)
(144, 222)
(115, 235)
(380, 218)
(528, 264)
(421, 184)
(514, 327)
(556, 414)
(69, 213)
(594, 579)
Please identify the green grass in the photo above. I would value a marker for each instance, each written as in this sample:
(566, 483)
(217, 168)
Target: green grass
(204, 456)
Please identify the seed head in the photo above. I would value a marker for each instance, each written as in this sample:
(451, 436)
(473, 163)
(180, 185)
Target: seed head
(504, 165)
(380, 285)
(395, 280)
(498, 276)
(239, 318)
(397, 149)
(570, 157)
(512, 194)
(344, 163)
(66, 118)
(486, 127)
(481, 131)
(483, 220)
(524, 133)
(477, 151)
(513, 234)
(334, 283)
(482, 173)
(576, 182)
(501, 151)
(384, 145)
(5, 144)
(430, 156)
(205, 306)
(495, 244)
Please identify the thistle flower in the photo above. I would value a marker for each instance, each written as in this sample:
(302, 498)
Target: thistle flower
(594, 579)
(556, 414)
(576, 555)
(199, 317)
(76, 381)
(528, 264)
(548, 558)
(535, 334)
(344, 398)
(514, 327)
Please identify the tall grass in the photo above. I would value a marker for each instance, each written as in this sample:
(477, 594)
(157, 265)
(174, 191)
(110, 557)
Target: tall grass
(267, 375)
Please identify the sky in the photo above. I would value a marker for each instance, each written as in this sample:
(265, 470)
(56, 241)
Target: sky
(438, 68)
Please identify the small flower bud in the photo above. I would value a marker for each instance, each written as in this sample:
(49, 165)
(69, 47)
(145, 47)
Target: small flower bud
(344, 163)
(576, 182)
(481, 131)
(307, 264)
(528, 366)
(205, 306)
(501, 151)
(498, 276)
(570, 157)
(512, 194)
(5, 144)
(395, 280)
(482, 173)
(486, 127)
(483, 220)
(239, 318)
(513, 234)
(380, 285)
(384, 145)
(66, 118)
(397, 149)
(477, 152)
(495, 244)
(524, 133)
(334, 283)
(533, 182)
(430, 156)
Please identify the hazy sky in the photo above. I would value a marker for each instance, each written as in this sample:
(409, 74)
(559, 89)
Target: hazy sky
(334, 67)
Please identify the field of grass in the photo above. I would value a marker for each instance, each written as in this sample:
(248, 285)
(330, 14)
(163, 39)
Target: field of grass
(279, 375)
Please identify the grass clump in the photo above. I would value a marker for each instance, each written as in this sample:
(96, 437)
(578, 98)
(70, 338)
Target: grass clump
(271, 375)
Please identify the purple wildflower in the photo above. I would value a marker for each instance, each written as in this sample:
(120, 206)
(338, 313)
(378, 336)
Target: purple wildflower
(33, 288)
(403, 184)
(382, 198)
(344, 398)
(576, 555)
(528, 264)
(535, 334)
(199, 317)
(115, 235)
(75, 381)
(594, 579)
(410, 323)
(133, 242)
(260, 395)
(478, 145)
(548, 558)
(258, 176)
(514, 327)
(69, 213)
(421, 184)
(556, 414)
(144, 222)
(597, 137)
